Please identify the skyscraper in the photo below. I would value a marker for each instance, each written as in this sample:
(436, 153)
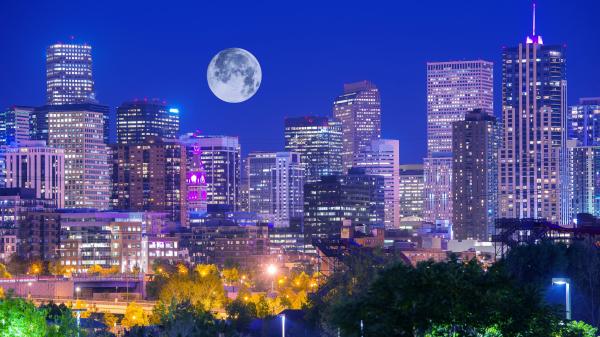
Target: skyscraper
(275, 186)
(453, 89)
(318, 140)
(14, 124)
(39, 119)
(584, 180)
(410, 193)
(139, 119)
(151, 177)
(584, 122)
(355, 196)
(33, 165)
(79, 130)
(382, 158)
(475, 143)
(69, 74)
(359, 111)
(220, 157)
(534, 120)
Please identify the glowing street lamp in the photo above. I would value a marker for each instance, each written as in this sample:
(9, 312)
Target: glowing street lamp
(282, 325)
(567, 283)
(77, 291)
(272, 270)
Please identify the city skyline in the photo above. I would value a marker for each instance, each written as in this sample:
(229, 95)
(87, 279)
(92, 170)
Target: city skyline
(183, 85)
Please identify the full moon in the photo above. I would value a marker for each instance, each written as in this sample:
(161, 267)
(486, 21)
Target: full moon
(234, 75)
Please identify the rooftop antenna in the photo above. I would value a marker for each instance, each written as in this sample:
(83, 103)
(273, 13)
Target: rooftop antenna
(533, 17)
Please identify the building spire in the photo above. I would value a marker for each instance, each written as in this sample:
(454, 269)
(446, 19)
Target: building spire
(533, 18)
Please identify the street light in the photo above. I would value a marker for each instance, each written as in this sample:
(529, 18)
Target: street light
(29, 290)
(77, 291)
(567, 283)
(272, 270)
(282, 325)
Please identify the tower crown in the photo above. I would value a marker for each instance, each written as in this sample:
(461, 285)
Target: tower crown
(534, 39)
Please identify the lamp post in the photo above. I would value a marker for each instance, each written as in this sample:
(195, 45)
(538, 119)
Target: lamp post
(272, 270)
(77, 291)
(567, 283)
(29, 290)
(282, 325)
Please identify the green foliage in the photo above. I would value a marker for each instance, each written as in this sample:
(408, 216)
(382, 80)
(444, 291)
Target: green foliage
(20, 318)
(184, 319)
(241, 314)
(577, 329)
(434, 299)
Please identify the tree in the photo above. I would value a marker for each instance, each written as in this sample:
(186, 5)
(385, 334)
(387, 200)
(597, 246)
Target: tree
(134, 316)
(110, 320)
(36, 268)
(55, 268)
(4, 272)
(577, 329)
(231, 275)
(95, 269)
(241, 313)
(20, 318)
(439, 299)
(185, 319)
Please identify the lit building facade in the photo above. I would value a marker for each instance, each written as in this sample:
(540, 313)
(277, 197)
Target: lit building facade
(137, 120)
(475, 176)
(355, 197)
(359, 111)
(33, 165)
(80, 131)
(584, 122)
(584, 180)
(151, 177)
(453, 89)
(275, 186)
(108, 239)
(318, 140)
(534, 91)
(219, 157)
(410, 193)
(14, 124)
(382, 157)
(69, 74)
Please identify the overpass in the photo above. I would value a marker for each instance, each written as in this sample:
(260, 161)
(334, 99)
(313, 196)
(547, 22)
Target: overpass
(101, 306)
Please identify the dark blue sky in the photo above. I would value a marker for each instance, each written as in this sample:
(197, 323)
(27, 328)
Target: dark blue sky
(307, 50)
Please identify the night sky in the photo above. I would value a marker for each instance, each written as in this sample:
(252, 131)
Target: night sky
(307, 50)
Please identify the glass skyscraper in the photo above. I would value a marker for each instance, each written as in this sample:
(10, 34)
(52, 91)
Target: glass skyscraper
(14, 124)
(69, 74)
(453, 89)
(318, 140)
(359, 111)
(139, 119)
(534, 120)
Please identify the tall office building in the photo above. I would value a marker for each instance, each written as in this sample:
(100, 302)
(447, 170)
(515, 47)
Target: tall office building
(382, 158)
(584, 122)
(534, 120)
(33, 165)
(453, 89)
(139, 119)
(318, 140)
(275, 186)
(151, 177)
(410, 193)
(14, 124)
(355, 196)
(39, 119)
(475, 143)
(359, 111)
(79, 131)
(221, 163)
(584, 180)
(69, 74)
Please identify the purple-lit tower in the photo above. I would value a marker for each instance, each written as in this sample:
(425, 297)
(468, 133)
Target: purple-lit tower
(196, 178)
